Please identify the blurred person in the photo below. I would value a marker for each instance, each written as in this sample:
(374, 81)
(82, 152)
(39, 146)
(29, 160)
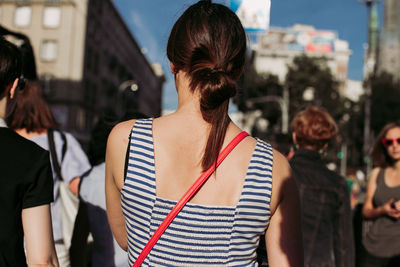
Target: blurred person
(354, 187)
(325, 204)
(106, 251)
(382, 201)
(30, 117)
(26, 184)
(283, 143)
(251, 193)
(101, 249)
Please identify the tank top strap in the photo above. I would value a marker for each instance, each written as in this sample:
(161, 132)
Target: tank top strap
(253, 213)
(141, 128)
(138, 194)
(380, 180)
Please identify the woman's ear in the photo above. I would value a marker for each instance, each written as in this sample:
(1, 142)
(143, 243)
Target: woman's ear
(174, 69)
(13, 88)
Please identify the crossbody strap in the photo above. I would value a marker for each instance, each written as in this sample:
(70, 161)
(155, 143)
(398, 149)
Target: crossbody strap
(186, 197)
(53, 153)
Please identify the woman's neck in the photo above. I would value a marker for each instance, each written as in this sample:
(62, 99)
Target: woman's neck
(188, 101)
(28, 135)
(396, 166)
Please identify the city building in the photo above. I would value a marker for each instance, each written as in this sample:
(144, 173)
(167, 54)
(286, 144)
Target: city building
(87, 59)
(389, 46)
(276, 49)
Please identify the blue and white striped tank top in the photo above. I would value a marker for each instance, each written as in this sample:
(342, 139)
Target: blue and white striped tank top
(200, 235)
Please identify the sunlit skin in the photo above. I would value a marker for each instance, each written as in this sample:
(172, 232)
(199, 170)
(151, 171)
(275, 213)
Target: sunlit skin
(392, 179)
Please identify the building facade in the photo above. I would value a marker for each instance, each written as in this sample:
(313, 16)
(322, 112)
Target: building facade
(389, 46)
(87, 59)
(276, 49)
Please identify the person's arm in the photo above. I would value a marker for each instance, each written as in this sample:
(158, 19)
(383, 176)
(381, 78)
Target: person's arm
(74, 185)
(369, 211)
(74, 164)
(40, 250)
(115, 161)
(283, 237)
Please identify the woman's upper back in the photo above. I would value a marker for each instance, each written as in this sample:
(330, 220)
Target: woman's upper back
(222, 229)
(178, 150)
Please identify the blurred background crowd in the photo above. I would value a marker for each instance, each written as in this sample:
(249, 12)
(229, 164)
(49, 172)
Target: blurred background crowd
(84, 61)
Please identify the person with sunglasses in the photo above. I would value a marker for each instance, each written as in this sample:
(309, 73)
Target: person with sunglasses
(382, 201)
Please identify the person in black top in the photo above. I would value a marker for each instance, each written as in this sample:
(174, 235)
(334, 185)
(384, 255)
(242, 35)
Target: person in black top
(26, 183)
(325, 203)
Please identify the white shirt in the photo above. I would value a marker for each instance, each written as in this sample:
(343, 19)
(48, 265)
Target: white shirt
(3, 123)
(75, 163)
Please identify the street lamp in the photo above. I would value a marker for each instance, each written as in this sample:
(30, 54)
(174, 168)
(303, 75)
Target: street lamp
(283, 103)
(126, 91)
(131, 84)
(369, 71)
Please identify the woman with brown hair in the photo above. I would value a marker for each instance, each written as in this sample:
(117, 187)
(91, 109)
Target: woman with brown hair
(30, 116)
(382, 201)
(325, 203)
(251, 193)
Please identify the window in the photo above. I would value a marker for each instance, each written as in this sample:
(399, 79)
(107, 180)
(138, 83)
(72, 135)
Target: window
(22, 16)
(51, 17)
(49, 50)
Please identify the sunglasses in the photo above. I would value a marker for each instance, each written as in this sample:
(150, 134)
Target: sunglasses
(389, 142)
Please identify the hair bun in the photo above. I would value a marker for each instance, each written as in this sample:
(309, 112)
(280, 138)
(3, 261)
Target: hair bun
(217, 87)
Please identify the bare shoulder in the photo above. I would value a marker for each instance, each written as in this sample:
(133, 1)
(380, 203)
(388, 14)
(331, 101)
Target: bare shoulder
(117, 144)
(120, 133)
(281, 168)
(118, 141)
(375, 171)
(374, 175)
(250, 141)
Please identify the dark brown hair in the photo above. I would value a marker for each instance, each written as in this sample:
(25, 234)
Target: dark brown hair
(379, 152)
(209, 43)
(30, 110)
(314, 127)
(10, 64)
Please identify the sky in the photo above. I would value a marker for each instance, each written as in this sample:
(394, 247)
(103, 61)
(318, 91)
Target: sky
(151, 21)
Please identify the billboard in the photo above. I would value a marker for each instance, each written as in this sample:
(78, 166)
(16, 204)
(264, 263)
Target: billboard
(254, 14)
(300, 40)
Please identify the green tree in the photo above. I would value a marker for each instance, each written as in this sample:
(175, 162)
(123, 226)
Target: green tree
(313, 73)
(254, 85)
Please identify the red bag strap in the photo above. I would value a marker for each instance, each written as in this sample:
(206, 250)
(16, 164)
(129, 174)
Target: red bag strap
(186, 197)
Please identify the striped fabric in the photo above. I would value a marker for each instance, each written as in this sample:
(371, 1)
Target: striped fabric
(200, 235)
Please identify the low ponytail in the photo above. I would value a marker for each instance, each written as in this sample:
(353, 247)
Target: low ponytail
(216, 88)
(209, 43)
(219, 121)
